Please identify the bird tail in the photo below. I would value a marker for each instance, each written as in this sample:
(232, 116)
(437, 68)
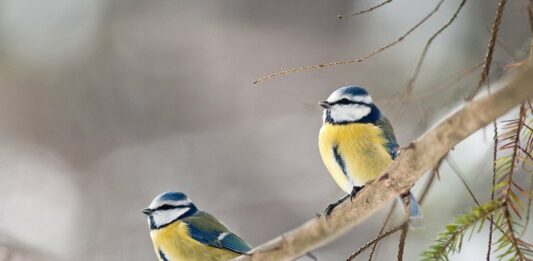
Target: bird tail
(415, 212)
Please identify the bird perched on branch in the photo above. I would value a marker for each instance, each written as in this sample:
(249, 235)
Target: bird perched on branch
(180, 231)
(357, 143)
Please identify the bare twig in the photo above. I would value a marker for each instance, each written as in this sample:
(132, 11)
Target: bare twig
(385, 222)
(445, 84)
(490, 48)
(364, 11)
(410, 83)
(375, 240)
(379, 50)
(395, 229)
(507, 50)
(403, 237)
(411, 164)
(414, 76)
(492, 191)
(422, 197)
(460, 175)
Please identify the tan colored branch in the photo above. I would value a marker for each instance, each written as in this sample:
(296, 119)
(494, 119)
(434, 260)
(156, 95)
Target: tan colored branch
(413, 162)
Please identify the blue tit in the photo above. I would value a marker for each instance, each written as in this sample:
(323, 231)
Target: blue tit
(180, 231)
(357, 143)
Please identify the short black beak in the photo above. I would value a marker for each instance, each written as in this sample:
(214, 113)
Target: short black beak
(147, 211)
(325, 104)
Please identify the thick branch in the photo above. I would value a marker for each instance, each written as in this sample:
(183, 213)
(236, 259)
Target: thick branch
(413, 162)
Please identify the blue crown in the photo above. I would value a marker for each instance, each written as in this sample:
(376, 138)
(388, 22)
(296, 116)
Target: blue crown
(173, 196)
(353, 90)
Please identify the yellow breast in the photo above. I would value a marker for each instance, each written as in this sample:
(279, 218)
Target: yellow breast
(362, 149)
(175, 242)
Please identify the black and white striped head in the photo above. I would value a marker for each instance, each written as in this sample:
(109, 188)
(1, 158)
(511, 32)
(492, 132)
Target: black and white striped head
(349, 104)
(167, 208)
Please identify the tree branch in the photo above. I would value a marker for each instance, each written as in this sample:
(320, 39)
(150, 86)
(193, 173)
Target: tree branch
(411, 164)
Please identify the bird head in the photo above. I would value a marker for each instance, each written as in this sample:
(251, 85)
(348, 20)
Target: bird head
(349, 104)
(167, 208)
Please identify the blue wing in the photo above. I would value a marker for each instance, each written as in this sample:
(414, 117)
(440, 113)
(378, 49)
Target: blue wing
(388, 133)
(205, 229)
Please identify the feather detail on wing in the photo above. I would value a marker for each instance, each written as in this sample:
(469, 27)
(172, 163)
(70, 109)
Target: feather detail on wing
(388, 132)
(207, 230)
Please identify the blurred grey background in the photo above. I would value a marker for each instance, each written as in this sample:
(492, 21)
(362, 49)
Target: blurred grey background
(105, 104)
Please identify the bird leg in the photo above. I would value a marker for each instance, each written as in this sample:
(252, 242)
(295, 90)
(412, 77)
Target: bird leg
(351, 196)
(354, 192)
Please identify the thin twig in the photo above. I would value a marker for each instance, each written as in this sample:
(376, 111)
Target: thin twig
(460, 175)
(373, 241)
(494, 165)
(379, 50)
(403, 237)
(380, 236)
(364, 11)
(410, 83)
(490, 48)
(408, 89)
(494, 158)
(385, 222)
(440, 86)
(507, 50)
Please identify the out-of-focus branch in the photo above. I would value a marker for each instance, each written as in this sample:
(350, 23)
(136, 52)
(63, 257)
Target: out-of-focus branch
(362, 59)
(365, 11)
(412, 163)
(490, 48)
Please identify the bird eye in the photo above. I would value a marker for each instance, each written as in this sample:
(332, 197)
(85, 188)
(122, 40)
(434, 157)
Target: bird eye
(166, 207)
(344, 101)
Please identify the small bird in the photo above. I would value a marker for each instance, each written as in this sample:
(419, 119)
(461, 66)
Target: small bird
(357, 143)
(180, 231)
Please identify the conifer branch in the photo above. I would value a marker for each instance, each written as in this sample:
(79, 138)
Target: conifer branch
(451, 240)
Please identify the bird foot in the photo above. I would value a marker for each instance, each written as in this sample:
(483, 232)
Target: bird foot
(351, 196)
(333, 205)
(354, 192)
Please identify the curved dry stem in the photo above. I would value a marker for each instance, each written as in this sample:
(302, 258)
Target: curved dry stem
(461, 177)
(421, 199)
(374, 241)
(364, 11)
(385, 222)
(410, 83)
(403, 237)
(377, 51)
(408, 89)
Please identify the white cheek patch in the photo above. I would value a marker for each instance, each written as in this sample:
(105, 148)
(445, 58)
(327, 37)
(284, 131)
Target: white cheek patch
(163, 217)
(348, 113)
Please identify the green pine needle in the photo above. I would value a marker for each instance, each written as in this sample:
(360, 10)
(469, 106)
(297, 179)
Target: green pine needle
(450, 240)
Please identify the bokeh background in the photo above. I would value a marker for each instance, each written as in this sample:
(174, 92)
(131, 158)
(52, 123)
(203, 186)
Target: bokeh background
(105, 104)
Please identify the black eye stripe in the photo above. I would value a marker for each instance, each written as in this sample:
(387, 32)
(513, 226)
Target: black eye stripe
(168, 207)
(345, 101)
